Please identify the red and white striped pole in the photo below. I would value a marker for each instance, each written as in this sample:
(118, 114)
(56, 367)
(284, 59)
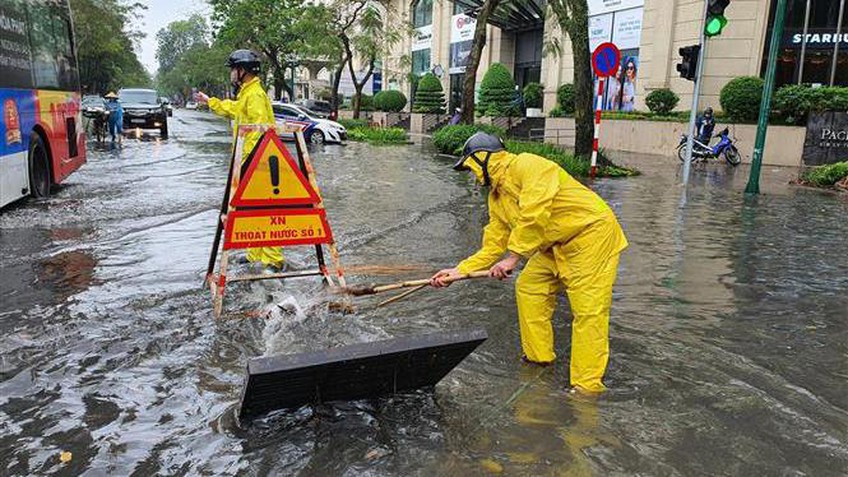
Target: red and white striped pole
(598, 108)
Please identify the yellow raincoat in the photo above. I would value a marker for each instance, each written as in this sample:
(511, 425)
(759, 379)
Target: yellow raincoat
(251, 106)
(571, 240)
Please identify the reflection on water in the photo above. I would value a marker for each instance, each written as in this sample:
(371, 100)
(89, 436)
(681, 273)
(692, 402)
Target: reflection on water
(728, 331)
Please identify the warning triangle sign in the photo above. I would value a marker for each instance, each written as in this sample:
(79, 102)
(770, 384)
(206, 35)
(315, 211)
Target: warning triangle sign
(273, 178)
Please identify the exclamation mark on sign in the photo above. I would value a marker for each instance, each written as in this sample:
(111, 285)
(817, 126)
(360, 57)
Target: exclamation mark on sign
(274, 164)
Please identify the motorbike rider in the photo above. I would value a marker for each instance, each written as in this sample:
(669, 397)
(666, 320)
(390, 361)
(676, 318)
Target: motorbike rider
(705, 124)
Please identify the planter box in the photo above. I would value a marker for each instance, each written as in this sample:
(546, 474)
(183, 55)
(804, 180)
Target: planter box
(535, 113)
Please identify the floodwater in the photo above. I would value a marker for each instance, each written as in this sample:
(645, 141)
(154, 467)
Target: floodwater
(729, 331)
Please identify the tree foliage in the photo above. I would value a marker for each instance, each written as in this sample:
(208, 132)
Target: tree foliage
(270, 27)
(176, 39)
(741, 97)
(105, 45)
(497, 92)
(389, 101)
(188, 60)
(429, 97)
(662, 101)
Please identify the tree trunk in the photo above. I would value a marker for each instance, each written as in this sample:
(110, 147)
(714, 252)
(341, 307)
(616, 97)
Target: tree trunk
(474, 61)
(359, 85)
(337, 79)
(578, 31)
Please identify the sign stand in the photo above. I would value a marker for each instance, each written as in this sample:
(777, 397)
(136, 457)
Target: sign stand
(605, 61)
(270, 200)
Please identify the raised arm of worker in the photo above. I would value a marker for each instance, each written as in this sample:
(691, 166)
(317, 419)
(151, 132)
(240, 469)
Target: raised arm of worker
(221, 107)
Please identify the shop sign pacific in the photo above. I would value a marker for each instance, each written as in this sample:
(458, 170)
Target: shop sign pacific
(827, 138)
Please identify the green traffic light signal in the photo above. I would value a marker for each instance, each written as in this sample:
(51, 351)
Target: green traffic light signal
(715, 24)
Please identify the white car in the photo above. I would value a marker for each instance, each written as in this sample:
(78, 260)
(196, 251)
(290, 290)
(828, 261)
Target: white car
(315, 129)
(191, 105)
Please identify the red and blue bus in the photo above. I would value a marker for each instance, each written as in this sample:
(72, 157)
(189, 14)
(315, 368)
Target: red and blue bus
(41, 137)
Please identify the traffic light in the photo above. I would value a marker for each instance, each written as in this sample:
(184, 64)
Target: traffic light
(715, 17)
(688, 68)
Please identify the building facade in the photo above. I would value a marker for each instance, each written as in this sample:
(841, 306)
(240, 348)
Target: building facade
(648, 32)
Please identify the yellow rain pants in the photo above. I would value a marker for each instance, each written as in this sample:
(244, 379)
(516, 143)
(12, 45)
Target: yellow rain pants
(251, 106)
(571, 239)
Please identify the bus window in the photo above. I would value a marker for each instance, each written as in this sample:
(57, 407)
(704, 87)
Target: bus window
(14, 47)
(52, 54)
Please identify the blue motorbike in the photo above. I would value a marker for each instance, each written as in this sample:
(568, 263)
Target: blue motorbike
(703, 152)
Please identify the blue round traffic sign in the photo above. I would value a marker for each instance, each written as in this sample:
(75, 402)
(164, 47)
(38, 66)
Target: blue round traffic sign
(606, 59)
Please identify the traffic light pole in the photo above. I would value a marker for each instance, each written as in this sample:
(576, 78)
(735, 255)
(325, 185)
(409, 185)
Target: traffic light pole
(753, 186)
(696, 96)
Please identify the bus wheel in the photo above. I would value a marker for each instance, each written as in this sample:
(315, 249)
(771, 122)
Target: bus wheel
(39, 170)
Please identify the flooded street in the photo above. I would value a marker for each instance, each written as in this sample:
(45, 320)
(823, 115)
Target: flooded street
(729, 330)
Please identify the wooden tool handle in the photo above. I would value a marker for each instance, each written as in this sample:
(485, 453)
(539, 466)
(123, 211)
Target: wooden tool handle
(412, 283)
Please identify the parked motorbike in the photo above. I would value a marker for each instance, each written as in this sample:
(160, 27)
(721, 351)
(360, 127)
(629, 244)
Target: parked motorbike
(726, 147)
(98, 122)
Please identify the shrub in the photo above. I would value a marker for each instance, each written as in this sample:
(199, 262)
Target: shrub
(741, 97)
(378, 136)
(565, 98)
(556, 112)
(429, 97)
(662, 101)
(533, 95)
(366, 103)
(497, 92)
(353, 123)
(390, 101)
(572, 164)
(450, 139)
(794, 103)
(828, 175)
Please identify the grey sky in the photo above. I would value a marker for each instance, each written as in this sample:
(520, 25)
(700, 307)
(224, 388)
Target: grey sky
(159, 14)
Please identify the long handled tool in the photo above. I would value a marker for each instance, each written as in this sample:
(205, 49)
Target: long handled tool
(375, 289)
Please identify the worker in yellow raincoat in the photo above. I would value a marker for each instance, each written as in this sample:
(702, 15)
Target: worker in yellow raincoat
(251, 106)
(570, 239)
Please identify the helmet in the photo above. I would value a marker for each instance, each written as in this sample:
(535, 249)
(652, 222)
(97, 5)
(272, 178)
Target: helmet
(480, 141)
(245, 59)
(708, 112)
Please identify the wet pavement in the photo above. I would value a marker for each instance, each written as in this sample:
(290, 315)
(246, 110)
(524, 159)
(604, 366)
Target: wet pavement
(729, 331)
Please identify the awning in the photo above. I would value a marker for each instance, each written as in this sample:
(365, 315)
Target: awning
(511, 15)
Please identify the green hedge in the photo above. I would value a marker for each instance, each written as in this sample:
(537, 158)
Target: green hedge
(556, 112)
(794, 103)
(450, 139)
(429, 97)
(378, 136)
(662, 101)
(565, 98)
(497, 92)
(741, 98)
(573, 165)
(353, 123)
(826, 176)
(533, 95)
(389, 101)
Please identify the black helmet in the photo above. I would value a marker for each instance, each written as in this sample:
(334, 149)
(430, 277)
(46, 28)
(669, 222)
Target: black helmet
(480, 141)
(708, 112)
(245, 59)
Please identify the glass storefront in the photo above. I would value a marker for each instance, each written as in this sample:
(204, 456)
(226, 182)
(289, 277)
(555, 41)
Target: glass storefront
(821, 38)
